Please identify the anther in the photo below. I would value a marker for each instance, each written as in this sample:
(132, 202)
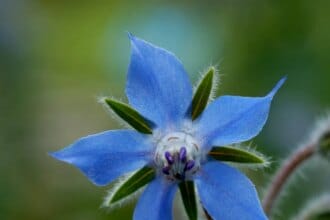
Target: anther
(169, 157)
(189, 165)
(183, 154)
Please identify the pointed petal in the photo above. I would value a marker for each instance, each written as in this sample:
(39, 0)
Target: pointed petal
(156, 201)
(227, 194)
(157, 84)
(233, 119)
(105, 156)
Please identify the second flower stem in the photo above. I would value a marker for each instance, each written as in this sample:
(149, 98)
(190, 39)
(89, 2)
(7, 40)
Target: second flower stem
(284, 173)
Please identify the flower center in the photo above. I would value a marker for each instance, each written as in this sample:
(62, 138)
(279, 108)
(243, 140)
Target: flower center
(177, 156)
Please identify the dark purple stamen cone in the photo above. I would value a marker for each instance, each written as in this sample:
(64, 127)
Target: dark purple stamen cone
(189, 165)
(166, 170)
(183, 154)
(169, 157)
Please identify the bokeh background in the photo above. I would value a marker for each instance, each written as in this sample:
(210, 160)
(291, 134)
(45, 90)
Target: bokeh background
(57, 57)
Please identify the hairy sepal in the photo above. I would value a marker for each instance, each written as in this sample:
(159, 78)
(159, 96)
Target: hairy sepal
(204, 92)
(129, 115)
(244, 155)
(188, 196)
(128, 187)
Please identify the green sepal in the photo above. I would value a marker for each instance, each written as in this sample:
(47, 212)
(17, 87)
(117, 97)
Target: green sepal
(203, 93)
(188, 196)
(238, 155)
(132, 184)
(130, 115)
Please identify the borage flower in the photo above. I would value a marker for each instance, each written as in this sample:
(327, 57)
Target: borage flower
(177, 144)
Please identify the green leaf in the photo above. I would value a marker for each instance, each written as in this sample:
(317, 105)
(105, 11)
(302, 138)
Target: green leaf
(236, 155)
(132, 184)
(130, 115)
(188, 196)
(202, 93)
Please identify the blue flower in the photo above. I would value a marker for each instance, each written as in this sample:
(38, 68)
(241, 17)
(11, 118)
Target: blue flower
(159, 89)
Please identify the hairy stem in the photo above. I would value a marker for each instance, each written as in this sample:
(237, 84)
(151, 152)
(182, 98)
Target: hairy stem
(282, 175)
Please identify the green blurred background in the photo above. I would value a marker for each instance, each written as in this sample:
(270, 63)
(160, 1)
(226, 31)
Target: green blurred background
(57, 57)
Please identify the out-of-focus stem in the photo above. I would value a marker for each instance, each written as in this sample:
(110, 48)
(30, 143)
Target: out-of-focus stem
(296, 159)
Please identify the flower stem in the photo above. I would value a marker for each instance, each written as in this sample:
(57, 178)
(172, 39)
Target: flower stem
(282, 175)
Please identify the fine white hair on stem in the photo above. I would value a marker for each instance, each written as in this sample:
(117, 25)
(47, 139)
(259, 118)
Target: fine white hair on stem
(113, 115)
(314, 207)
(321, 128)
(320, 132)
(286, 194)
(278, 213)
(292, 183)
(111, 206)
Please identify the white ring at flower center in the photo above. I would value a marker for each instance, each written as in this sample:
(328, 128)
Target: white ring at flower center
(171, 165)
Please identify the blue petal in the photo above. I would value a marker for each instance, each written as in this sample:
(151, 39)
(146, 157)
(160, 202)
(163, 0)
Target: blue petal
(227, 194)
(157, 84)
(233, 119)
(156, 201)
(105, 156)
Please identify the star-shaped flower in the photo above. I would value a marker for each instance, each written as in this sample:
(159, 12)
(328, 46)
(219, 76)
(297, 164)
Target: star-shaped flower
(178, 139)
